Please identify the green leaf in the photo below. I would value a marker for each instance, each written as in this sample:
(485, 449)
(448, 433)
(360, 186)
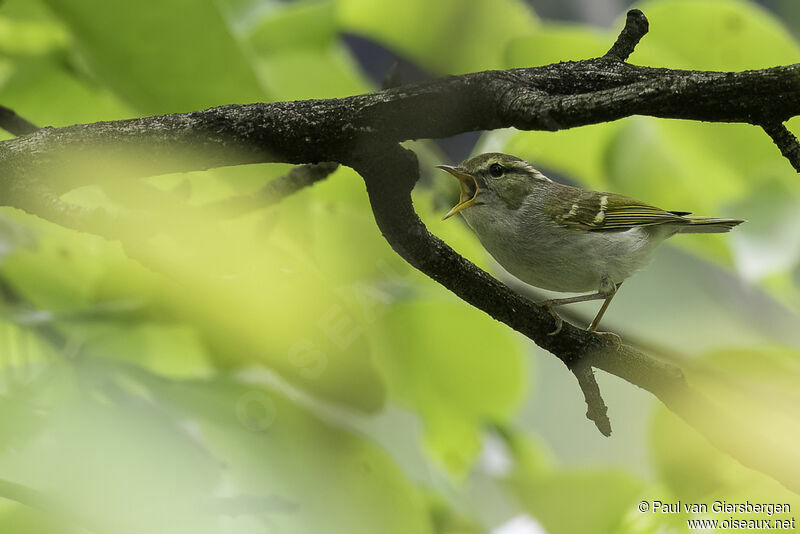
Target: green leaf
(302, 319)
(444, 37)
(298, 53)
(770, 241)
(28, 29)
(455, 366)
(16, 517)
(758, 387)
(326, 479)
(92, 460)
(303, 24)
(162, 55)
(555, 42)
(44, 93)
(569, 501)
(715, 35)
(171, 351)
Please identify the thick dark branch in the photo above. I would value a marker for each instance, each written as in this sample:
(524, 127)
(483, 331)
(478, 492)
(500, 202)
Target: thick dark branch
(14, 124)
(390, 173)
(551, 97)
(636, 27)
(786, 141)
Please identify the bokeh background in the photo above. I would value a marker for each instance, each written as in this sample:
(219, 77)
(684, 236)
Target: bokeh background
(284, 371)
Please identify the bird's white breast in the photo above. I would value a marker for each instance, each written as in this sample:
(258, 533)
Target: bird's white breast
(529, 245)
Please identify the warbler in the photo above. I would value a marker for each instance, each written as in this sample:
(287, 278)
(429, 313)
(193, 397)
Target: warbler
(563, 238)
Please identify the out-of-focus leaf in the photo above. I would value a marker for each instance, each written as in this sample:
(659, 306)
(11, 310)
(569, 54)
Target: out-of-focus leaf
(298, 54)
(715, 35)
(162, 55)
(302, 24)
(446, 36)
(446, 520)
(759, 389)
(117, 464)
(172, 351)
(270, 305)
(273, 448)
(604, 498)
(553, 43)
(27, 29)
(305, 74)
(44, 93)
(552, 495)
(65, 288)
(16, 517)
(456, 367)
(37, 81)
(770, 241)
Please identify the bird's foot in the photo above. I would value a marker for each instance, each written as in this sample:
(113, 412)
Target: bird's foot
(548, 305)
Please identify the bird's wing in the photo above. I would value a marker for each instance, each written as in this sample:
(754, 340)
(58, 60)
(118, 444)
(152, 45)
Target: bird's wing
(592, 211)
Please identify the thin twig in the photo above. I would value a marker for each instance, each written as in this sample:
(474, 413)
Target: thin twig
(786, 142)
(274, 191)
(14, 124)
(596, 409)
(636, 26)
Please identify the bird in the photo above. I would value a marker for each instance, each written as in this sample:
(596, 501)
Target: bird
(563, 238)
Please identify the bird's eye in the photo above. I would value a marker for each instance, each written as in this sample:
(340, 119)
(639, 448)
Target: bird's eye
(496, 170)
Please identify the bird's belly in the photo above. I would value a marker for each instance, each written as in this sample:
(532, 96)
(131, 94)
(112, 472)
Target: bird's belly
(570, 261)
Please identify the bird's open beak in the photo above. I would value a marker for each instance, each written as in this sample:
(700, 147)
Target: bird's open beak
(469, 189)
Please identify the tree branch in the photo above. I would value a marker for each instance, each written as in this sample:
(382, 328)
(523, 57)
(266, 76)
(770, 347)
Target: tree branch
(786, 142)
(636, 26)
(274, 191)
(551, 97)
(14, 124)
(596, 409)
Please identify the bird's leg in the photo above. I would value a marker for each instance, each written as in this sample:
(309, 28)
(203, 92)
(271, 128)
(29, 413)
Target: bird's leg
(552, 303)
(610, 289)
(607, 291)
(604, 307)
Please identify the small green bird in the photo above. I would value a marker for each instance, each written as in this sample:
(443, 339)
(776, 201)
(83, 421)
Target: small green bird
(563, 238)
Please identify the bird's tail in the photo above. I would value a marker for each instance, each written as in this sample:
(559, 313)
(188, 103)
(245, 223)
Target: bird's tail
(708, 225)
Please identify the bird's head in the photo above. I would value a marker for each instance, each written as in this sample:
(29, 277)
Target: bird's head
(494, 179)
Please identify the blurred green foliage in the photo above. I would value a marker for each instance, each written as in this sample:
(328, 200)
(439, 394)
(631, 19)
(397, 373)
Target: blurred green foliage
(285, 371)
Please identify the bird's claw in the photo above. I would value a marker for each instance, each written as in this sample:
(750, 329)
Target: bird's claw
(559, 321)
